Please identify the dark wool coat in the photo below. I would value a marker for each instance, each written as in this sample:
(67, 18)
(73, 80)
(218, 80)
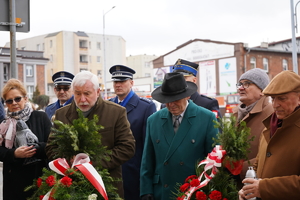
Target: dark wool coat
(50, 109)
(278, 160)
(138, 110)
(17, 176)
(170, 158)
(116, 134)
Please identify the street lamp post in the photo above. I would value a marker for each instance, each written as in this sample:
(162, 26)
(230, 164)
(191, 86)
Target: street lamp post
(104, 59)
(294, 45)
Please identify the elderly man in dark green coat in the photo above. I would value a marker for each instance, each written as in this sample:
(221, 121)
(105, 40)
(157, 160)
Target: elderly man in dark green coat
(176, 138)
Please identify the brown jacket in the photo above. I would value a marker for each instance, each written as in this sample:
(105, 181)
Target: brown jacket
(116, 134)
(254, 120)
(278, 160)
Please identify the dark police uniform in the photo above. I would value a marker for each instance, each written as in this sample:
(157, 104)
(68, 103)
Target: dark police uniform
(59, 78)
(138, 110)
(190, 69)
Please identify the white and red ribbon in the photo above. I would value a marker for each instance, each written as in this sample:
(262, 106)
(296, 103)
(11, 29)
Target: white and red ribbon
(213, 160)
(81, 162)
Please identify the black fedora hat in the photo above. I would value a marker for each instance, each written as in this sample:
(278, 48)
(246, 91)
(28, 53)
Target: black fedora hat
(173, 88)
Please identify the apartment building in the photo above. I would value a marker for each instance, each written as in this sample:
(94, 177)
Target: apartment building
(76, 51)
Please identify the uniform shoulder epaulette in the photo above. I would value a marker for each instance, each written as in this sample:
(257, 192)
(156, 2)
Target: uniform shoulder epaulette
(145, 99)
(210, 98)
(50, 104)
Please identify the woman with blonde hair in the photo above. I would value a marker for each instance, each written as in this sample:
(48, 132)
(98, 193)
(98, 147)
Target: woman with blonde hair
(22, 148)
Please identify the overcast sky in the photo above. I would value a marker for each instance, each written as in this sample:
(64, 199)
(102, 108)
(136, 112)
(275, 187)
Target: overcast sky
(159, 26)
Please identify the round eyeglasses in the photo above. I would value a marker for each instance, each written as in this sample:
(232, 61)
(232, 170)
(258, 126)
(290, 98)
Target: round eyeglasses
(244, 84)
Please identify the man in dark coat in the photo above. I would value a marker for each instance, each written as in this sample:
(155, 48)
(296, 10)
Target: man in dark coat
(116, 134)
(138, 110)
(189, 70)
(176, 138)
(62, 81)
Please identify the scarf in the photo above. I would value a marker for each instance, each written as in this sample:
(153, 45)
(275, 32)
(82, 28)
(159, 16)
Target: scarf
(276, 123)
(127, 98)
(8, 126)
(244, 110)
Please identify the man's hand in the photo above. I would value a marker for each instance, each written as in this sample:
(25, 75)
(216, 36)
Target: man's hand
(25, 151)
(250, 190)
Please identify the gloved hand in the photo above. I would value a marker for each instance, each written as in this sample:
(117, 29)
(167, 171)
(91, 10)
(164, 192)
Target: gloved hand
(147, 197)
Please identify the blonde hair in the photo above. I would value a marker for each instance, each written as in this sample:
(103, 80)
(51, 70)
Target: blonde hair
(13, 84)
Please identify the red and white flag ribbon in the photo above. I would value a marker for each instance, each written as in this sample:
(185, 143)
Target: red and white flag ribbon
(81, 162)
(213, 160)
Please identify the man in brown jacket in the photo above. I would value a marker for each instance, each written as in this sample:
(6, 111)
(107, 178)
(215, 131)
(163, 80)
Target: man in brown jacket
(278, 163)
(254, 108)
(116, 134)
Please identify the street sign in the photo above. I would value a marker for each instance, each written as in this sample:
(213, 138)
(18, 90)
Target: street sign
(22, 15)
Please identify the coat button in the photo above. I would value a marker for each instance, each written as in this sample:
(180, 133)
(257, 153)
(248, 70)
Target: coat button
(269, 154)
(157, 141)
(165, 185)
(166, 163)
(181, 163)
(193, 141)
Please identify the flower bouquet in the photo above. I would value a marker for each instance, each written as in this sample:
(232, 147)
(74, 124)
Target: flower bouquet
(214, 178)
(76, 144)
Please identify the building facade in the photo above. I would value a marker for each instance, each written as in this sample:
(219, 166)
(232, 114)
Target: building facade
(77, 51)
(31, 67)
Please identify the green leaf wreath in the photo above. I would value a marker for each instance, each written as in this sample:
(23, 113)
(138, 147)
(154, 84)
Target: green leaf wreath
(233, 138)
(82, 136)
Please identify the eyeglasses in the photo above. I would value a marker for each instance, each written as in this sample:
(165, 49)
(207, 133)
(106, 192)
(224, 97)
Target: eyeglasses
(62, 88)
(10, 101)
(244, 85)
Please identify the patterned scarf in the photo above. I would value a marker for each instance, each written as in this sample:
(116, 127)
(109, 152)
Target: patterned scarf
(22, 114)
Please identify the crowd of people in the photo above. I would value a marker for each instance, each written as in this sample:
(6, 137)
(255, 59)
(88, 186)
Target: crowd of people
(154, 150)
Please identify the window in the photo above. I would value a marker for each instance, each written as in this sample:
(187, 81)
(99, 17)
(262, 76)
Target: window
(147, 74)
(50, 43)
(98, 59)
(82, 69)
(23, 48)
(30, 89)
(147, 64)
(43, 46)
(6, 72)
(29, 70)
(284, 65)
(98, 45)
(253, 62)
(266, 64)
(90, 45)
(82, 43)
(83, 58)
(99, 73)
(38, 47)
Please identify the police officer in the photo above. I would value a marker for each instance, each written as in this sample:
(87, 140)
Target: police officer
(62, 88)
(189, 70)
(138, 110)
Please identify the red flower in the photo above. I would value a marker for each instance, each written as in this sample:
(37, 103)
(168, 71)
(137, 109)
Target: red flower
(195, 182)
(215, 195)
(41, 197)
(188, 179)
(225, 199)
(39, 182)
(201, 195)
(184, 187)
(66, 181)
(50, 180)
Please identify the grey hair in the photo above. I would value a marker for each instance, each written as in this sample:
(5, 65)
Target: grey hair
(82, 77)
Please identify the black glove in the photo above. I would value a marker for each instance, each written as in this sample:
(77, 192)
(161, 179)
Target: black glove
(147, 197)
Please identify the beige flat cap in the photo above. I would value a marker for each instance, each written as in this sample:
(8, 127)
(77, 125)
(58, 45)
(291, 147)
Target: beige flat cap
(284, 82)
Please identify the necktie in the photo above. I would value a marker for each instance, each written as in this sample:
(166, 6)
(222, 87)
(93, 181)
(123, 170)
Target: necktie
(176, 123)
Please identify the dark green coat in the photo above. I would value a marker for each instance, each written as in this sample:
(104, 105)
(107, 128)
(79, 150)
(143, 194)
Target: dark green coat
(170, 158)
